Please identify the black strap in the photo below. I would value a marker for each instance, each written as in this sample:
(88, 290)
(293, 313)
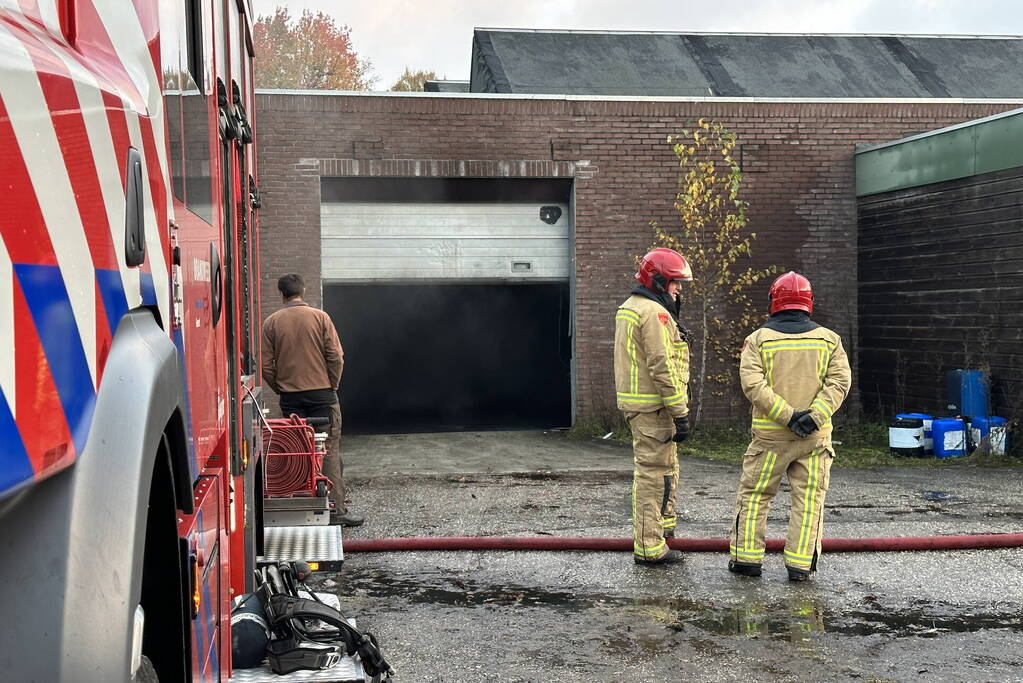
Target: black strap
(296, 645)
(667, 494)
(285, 608)
(290, 611)
(290, 607)
(288, 656)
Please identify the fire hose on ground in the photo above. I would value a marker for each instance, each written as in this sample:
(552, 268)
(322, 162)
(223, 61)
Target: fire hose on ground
(834, 545)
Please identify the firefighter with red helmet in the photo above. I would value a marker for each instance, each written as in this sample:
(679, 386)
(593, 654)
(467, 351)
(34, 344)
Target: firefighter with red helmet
(796, 374)
(651, 360)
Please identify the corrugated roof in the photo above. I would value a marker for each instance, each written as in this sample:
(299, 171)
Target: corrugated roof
(745, 65)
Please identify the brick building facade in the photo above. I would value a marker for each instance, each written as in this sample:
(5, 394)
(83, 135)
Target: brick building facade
(797, 157)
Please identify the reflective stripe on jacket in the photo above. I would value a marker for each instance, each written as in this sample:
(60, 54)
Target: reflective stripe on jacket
(651, 360)
(781, 373)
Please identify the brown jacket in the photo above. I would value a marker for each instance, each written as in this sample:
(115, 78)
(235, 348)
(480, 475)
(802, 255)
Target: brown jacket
(651, 359)
(782, 373)
(301, 350)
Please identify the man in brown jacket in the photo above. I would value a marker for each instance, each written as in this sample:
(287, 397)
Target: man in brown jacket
(302, 362)
(651, 360)
(796, 374)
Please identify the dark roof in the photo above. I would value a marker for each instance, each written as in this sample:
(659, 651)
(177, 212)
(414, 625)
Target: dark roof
(446, 86)
(745, 65)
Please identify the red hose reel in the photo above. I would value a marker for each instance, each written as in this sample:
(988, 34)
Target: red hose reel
(293, 462)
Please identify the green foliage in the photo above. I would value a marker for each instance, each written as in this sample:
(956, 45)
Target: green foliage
(712, 234)
(724, 442)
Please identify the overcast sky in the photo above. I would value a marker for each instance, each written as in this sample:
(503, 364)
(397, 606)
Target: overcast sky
(437, 34)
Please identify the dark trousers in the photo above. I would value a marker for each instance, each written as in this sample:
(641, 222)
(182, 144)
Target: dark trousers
(298, 403)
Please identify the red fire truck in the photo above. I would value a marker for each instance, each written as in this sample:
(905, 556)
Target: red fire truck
(129, 319)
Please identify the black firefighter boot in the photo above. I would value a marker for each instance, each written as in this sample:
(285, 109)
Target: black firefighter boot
(670, 557)
(798, 574)
(744, 568)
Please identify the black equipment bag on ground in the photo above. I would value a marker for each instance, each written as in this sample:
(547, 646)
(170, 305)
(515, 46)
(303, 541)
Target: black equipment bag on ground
(296, 633)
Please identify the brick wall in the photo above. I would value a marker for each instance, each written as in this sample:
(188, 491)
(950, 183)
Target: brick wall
(798, 159)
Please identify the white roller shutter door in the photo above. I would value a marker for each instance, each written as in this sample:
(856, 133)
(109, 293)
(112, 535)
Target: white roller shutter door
(372, 241)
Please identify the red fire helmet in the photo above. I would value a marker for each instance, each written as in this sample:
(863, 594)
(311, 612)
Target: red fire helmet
(661, 266)
(791, 291)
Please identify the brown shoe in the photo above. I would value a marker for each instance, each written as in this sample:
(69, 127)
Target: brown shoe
(346, 519)
(670, 557)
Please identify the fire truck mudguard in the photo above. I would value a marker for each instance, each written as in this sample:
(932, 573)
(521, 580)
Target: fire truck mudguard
(79, 536)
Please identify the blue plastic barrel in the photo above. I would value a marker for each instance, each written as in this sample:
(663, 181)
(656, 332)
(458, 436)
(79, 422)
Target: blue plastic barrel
(949, 437)
(991, 432)
(968, 393)
(927, 419)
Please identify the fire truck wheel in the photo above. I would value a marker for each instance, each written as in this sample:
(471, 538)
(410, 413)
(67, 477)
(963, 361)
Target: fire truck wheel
(146, 672)
(321, 489)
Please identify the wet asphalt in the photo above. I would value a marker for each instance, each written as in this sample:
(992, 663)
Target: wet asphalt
(575, 616)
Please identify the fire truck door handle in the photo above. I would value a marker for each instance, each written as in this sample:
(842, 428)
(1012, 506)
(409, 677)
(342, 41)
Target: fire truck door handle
(226, 122)
(134, 223)
(216, 283)
(254, 198)
(244, 127)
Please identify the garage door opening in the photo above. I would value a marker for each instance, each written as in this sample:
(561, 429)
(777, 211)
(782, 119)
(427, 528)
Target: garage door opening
(439, 357)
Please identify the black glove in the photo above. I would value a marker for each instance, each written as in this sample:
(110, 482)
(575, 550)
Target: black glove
(681, 429)
(802, 424)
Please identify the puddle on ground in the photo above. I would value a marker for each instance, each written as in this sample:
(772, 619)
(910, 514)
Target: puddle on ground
(455, 591)
(535, 478)
(541, 475)
(794, 618)
(792, 621)
(797, 618)
(940, 497)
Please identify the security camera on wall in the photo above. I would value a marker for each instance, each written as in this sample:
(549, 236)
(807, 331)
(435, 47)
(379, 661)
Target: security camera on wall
(550, 214)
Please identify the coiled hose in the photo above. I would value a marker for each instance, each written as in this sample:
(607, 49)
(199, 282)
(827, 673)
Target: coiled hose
(290, 457)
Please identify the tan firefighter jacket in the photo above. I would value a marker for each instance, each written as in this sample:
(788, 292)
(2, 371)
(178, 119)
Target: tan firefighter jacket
(651, 359)
(781, 373)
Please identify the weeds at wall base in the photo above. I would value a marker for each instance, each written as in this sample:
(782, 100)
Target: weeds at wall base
(856, 445)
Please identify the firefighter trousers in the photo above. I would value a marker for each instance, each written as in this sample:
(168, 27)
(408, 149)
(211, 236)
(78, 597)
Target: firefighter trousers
(654, 481)
(807, 466)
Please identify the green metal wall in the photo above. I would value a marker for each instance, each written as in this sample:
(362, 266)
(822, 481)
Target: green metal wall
(994, 143)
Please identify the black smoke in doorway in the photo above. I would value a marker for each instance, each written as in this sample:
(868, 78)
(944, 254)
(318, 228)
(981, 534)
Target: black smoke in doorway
(441, 357)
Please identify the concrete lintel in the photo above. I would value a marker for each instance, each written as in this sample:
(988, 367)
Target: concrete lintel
(454, 168)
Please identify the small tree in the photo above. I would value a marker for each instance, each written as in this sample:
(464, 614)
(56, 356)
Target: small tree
(413, 81)
(711, 234)
(312, 52)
